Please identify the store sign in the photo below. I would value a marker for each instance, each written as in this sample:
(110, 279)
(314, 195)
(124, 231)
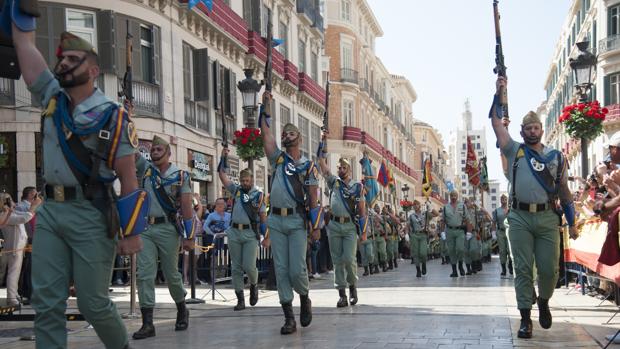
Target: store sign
(200, 165)
(144, 147)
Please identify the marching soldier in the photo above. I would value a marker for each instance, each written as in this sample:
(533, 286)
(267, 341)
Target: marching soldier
(418, 236)
(88, 141)
(391, 229)
(380, 239)
(367, 248)
(499, 230)
(171, 191)
(249, 223)
(293, 193)
(472, 244)
(538, 178)
(347, 205)
(457, 220)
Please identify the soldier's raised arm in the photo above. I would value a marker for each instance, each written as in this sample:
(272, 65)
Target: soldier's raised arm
(500, 126)
(30, 59)
(264, 120)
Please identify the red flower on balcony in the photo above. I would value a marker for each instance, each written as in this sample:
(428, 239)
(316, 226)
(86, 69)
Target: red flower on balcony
(584, 120)
(249, 142)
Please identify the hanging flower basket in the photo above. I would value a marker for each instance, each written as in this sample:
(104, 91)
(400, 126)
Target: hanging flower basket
(406, 205)
(584, 120)
(249, 143)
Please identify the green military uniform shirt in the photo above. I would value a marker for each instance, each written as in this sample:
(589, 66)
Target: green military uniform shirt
(254, 196)
(416, 222)
(498, 218)
(88, 113)
(279, 196)
(456, 217)
(175, 182)
(337, 204)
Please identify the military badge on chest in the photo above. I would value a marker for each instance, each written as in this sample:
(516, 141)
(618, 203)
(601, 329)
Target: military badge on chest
(536, 165)
(290, 169)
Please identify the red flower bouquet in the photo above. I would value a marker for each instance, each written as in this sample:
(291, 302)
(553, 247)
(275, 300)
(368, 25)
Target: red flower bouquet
(584, 120)
(249, 143)
(406, 204)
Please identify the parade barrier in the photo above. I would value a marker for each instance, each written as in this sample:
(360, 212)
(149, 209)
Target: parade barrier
(585, 251)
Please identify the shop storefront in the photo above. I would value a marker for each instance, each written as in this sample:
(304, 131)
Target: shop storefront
(201, 169)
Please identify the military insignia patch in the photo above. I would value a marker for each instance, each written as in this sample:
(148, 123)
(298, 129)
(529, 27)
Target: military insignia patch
(132, 134)
(537, 166)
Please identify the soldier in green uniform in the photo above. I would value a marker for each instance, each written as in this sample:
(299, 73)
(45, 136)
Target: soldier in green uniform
(293, 193)
(538, 178)
(457, 220)
(380, 239)
(171, 191)
(348, 209)
(390, 227)
(367, 249)
(418, 224)
(88, 142)
(499, 230)
(249, 223)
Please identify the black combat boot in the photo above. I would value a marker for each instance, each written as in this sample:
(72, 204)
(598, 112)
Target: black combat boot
(253, 294)
(352, 295)
(412, 262)
(240, 301)
(544, 314)
(525, 328)
(371, 268)
(510, 266)
(461, 270)
(147, 330)
(289, 319)
(342, 301)
(305, 315)
(418, 272)
(182, 317)
(385, 267)
(534, 296)
(503, 269)
(454, 273)
(443, 260)
(366, 272)
(376, 268)
(395, 263)
(423, 268)
(468, 269)
(390, 265)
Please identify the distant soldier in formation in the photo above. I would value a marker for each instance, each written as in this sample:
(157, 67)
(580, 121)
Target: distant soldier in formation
(378, 224)
(367, 250)
(348, 210)
(499, 229)
(418, 223)
(457, 220)
(391, 223)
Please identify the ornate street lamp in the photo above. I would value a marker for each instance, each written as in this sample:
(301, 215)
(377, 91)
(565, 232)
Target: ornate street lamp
(249, 93)
(582, 65)
(405, 190)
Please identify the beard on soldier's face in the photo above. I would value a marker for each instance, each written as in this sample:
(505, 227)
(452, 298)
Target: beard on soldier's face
(68, 80)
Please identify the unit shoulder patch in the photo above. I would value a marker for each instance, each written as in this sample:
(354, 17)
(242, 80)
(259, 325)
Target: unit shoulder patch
(132, 134)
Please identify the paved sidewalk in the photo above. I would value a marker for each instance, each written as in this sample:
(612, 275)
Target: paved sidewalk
(395, 310)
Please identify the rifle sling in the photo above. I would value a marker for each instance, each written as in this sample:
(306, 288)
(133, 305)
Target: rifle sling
(247, 207)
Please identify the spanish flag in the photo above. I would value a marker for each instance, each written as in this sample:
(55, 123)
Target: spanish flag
(383, 175)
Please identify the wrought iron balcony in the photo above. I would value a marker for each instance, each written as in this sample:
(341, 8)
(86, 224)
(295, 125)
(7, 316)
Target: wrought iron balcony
(348, 75)
(608, 44)
(7, 91)
(147, 97)
(364, 85)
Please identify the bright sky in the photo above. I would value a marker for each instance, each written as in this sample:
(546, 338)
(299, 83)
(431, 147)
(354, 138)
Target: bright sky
(446, 48)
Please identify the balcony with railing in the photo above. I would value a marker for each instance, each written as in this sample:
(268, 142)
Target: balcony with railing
(364, 85)
(147, 97)
(609, 44)
(7, 91)
(312, 88)
(312, 13)
(226, 18)
(348, 75)
(291, 73)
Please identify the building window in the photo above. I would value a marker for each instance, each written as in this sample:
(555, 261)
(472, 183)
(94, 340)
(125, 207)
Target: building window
(314, 66)
(195, 87)
(302, 56)
(315, 131)
(613, 89)
(347, 56)
(494, 206)
(494, 198)
(283, 33)
(285, 115)
(190, 111)
(347, 112)
(462, 162)
(304, 128)
(83, 24)
(614, 20)
(464, 146)
(345, 10)
(146, 48)
(264, 20)
(493, 190)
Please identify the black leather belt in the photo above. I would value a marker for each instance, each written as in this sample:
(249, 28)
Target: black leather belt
(157, 220)
(240, 226)
(284, 211)
(532, 208)
(461, 227)
(60, 193)
(341, 220)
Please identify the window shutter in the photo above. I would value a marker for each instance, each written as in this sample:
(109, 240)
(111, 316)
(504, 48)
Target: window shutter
(156, 55)
(217, 92)
(256, 7)
(247, 12)
(136, 57)
(201, 74)
(121, 47)
(606, 84)
(233, 94)
(225, 76)
(106, 39)
(42, 38)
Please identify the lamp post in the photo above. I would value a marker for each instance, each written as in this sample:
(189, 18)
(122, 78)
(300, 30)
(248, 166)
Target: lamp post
(405, 190)
(249, 92)
(582, 65)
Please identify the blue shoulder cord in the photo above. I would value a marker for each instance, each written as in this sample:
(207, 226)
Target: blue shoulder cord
(164, 182)
(61, 109)
(285, 176)
(545, 160)
(346, 205)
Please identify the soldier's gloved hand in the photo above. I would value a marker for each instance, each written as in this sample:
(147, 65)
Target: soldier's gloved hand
(494, 234)
(129, 245)
(468, 236)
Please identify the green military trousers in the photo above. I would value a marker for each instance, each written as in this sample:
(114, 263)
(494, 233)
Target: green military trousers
(288, 246)
(380, 250)
(473, 249)
(444, 248)
(160, 241)
(389, 248)
(367, 252)
(418, 243)
(534, 237)
(71, 244)
(343, 248)
(502, 243)
(243, 248)
(455, 239)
